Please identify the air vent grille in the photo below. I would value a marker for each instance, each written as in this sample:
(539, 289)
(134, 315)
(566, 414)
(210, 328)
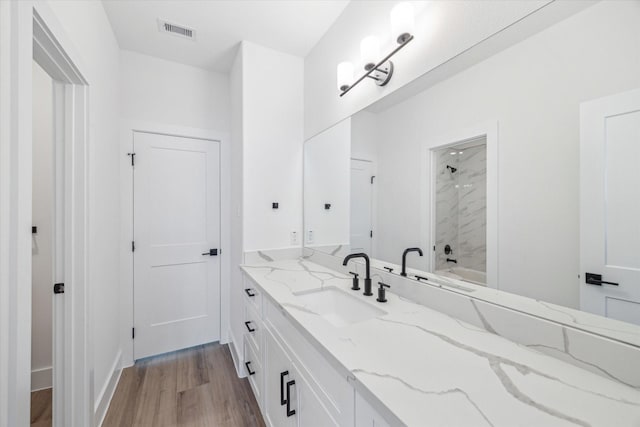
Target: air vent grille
(176, 30)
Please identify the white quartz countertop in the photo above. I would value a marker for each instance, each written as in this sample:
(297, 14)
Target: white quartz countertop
(421, 367)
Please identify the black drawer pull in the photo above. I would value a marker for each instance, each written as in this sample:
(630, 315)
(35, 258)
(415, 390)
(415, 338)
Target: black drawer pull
(290, 411)
(283, 401)
(248, 368)
(249, 327)
(248, 291)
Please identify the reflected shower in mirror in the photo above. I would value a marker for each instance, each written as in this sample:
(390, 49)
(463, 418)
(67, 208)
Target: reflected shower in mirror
(461, 211)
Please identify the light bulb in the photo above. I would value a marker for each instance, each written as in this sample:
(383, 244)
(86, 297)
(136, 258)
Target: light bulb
(402, 21)
(370, 51)
(345, 75)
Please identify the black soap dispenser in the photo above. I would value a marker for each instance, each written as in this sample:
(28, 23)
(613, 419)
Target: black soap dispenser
(382, 292)
(356, 282)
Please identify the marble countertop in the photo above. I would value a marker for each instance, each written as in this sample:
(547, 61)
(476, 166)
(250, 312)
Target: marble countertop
(421, 367)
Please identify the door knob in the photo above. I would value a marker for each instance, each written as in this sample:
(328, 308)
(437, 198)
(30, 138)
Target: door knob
(212, 252)
(596, 279)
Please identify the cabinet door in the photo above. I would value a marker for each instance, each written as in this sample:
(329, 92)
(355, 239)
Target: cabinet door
(366, 416)
(278, 371)
(309, 409)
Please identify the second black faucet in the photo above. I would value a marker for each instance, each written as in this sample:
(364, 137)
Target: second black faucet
(404, 259)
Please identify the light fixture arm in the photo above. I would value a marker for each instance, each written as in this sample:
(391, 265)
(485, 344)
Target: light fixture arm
(379, 67)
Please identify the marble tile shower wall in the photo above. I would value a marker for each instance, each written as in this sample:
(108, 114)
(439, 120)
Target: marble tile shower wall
(472, 208)
(461, 213)
(446, 207)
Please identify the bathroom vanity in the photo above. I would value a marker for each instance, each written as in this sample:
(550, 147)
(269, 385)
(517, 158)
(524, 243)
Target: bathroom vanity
(318, 353)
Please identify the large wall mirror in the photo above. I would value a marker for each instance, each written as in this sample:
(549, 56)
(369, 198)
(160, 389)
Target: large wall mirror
(518, 175)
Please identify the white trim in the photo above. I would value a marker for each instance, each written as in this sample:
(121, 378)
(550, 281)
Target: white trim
(489, 130)
(235, 355)
(108, 390)
(23, 23)
(126, 202)
(41, 378)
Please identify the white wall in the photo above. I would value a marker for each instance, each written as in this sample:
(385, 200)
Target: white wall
(87, 26)
(236, 294)
(533, 90)
(327, 169)
(272, 144)
(443, 30)
(42, 250)
(165, 96)
(159, 91)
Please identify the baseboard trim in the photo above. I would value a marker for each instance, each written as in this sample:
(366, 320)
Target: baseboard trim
(41, 378)
(107, 392)
(235, 355)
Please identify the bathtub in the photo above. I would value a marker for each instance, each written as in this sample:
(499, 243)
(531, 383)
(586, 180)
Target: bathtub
(465, 274)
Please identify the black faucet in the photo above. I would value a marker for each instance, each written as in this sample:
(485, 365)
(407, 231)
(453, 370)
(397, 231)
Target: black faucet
(404, 259)
(367, 279)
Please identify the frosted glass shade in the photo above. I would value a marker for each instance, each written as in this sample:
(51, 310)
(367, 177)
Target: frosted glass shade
(370, 51)
(402, 21)
(345, 75)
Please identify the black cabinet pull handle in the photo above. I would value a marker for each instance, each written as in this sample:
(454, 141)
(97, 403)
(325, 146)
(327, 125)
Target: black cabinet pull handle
(283, 401)
(596, 279)
(290, 411)
(248, 368)
(248, 292)
(249, 328)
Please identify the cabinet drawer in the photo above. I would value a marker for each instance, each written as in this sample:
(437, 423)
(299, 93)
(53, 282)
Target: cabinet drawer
(253, 327)
(253, 363)
(252, 295)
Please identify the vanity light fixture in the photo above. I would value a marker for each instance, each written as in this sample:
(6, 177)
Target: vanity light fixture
(402, 25)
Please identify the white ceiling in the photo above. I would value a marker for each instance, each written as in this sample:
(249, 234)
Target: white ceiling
(291, 26)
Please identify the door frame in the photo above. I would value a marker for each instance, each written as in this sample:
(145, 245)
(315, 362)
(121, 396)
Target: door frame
(488, 130)
(374, 203)
(30, 31)
(127, 232)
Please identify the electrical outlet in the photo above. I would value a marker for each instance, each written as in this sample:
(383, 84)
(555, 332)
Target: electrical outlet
(310, 236)
(294, 237)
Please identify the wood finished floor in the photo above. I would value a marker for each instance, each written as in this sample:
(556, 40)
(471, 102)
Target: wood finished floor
(193, 387)
(41, 407)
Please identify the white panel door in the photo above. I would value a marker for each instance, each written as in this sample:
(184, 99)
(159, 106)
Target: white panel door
(361, 205)
(610, 206)
(176, 221)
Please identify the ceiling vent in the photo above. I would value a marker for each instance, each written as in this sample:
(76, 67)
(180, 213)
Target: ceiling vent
(176, 30)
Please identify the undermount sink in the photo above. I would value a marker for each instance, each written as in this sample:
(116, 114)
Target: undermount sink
(337, 306)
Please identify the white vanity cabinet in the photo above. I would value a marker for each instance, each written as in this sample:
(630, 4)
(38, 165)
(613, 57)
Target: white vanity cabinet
(293, 383)
(253, 341)
(289, 398)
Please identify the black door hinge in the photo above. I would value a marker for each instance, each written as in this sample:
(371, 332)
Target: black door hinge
(58, 288)
(372, 178)
(133, 160)
(133, 333)
(133, 246)
(371, 234)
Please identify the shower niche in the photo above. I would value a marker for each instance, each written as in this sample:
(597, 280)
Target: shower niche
(460, 173)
